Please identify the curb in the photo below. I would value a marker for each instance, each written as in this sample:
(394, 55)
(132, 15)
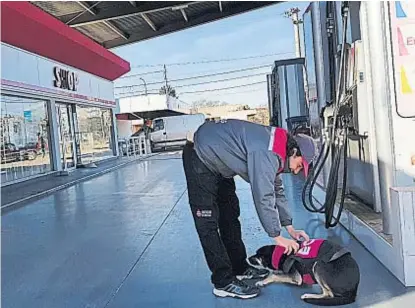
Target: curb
(66, 185)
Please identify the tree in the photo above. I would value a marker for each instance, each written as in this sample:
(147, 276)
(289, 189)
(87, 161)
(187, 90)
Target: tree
(170, 91)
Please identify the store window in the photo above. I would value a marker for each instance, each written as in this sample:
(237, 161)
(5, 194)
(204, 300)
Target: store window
(94, 133)
(24, 137)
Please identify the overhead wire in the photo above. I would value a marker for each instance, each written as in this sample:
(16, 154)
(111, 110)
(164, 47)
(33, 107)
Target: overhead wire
(237, 92)
(218, 94)
(181, 72)
(221, 89)
(213, 61)
(250, 68)
(149, 91)
(141, 74)
(198, 91)
(200, 83)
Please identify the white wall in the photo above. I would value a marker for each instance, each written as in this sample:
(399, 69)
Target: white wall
(146, 103)
(24, 71)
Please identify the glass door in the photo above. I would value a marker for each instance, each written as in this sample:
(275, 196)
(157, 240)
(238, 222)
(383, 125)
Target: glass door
(66, 135)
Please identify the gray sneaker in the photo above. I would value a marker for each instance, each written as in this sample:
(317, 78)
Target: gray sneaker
(238, 289)
(253, 273)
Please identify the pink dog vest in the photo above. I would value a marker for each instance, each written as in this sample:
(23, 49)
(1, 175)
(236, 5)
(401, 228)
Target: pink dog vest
(308, 254)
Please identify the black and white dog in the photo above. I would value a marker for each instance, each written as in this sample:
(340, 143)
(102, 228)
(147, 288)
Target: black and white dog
(317, 261)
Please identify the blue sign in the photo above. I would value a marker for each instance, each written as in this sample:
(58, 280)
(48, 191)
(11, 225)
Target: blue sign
(27, 115)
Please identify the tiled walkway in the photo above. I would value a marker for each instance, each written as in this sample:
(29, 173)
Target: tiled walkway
(13, 194)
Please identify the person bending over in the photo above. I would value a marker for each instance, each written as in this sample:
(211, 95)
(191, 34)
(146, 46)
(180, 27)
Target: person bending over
(212, 157)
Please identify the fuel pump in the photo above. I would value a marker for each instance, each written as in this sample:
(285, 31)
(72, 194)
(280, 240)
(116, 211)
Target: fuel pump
(337, 125)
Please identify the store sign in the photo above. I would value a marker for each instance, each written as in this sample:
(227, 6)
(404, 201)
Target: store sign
(65, 79)
(27, 114)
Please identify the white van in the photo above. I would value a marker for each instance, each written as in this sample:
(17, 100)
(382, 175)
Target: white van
(172, 131)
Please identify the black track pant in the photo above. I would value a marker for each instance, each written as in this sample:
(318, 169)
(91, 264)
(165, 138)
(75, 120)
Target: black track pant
(215, 209)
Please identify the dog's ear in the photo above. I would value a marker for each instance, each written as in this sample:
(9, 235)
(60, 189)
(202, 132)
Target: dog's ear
(266, 250)
(254, 260)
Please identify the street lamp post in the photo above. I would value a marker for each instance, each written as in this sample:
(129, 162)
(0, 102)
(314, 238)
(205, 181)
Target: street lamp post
(145, 120)
(145, 90)
(145, 85)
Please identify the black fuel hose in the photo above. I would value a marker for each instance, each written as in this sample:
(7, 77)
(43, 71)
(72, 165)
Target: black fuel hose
(333, 144)
(312, 180)
(340, 153)
(332, 189)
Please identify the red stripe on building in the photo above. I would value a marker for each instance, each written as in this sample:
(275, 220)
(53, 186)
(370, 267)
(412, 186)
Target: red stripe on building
(26, 26)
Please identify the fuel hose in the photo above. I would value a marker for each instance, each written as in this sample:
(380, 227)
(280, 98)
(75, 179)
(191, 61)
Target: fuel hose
(335, 142)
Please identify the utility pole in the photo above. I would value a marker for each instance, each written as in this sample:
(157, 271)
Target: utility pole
(293, 15)
(166, 85)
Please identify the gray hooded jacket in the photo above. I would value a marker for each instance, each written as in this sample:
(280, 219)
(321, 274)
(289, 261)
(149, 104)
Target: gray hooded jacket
(236, 147)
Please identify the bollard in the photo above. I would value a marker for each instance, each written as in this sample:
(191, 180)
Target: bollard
(140, 144)
(21, 158)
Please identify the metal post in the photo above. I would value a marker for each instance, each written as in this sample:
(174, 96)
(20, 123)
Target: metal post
(370, 109)
(318, 54)
(21, 164)
(65, 166)
(382, 104)
(7, 170)
(14, 169)
(320, 66)
(166, 86)
(114, 134)
(140, 145)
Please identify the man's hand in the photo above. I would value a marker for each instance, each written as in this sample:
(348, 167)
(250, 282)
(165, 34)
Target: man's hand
(297, 234)
(289, 245)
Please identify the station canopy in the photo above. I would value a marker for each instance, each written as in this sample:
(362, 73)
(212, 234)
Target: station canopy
(148, 115)
(116, 23)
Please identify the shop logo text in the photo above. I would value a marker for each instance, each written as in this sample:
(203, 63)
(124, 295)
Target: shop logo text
(65, 79)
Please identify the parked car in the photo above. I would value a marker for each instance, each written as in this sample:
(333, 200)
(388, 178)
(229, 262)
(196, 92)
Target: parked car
(10, 153)
(30, 151)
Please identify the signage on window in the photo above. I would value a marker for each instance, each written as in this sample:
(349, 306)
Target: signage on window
(403, 41)
(65, 79)
(27, 114)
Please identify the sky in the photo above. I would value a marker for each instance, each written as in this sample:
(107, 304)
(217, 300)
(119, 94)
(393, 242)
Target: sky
(263, 35)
